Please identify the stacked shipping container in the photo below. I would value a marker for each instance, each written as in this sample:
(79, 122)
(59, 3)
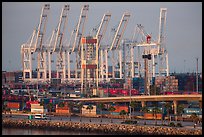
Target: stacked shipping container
(167, 83)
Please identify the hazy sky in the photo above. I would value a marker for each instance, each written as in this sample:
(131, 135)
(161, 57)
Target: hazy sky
(184, 27)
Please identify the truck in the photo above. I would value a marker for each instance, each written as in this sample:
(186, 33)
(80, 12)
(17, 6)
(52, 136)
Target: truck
(40, 116)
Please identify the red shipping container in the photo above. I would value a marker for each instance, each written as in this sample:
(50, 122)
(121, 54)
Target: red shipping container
(89, 66)
(13, 105)
(120, 108)
(124, 92)
(28, 103)
(88, 40)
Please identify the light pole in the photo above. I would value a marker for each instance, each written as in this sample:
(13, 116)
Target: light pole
(184, 65)
(37, 81)
(9, 74)
(130, 100)
(197, 74)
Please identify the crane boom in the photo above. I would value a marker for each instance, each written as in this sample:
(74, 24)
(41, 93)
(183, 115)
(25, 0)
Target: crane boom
(61, 28)
(80, 28)
(41, 27)
(103, 26)
(162, 25)
(120, 31)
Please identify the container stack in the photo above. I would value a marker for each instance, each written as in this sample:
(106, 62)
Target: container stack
(138, 84)
(62, 110)
(37, 108)
(167, 83)
(88, 112)
(14, 106)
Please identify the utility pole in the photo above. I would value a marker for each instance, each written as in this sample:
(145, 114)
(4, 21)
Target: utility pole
(197, 74)
(184, 65)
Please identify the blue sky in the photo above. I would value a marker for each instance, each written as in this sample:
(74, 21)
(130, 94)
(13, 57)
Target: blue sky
(184, 27)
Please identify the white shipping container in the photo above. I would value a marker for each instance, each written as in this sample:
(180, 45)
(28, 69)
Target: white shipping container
(87, 111)
(38, 110)
(36, 106)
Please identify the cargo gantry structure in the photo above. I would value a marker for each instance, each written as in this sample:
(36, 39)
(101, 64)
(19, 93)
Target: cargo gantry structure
(120, 51)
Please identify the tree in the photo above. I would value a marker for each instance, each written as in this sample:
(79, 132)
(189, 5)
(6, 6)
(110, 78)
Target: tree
(123, 113)
(61, 104)
(5, 108)
(168, 108)
(194, 117)
(101, 107)
(111, 109)
(80, 106)
(49, 106)
(134, 104)
(42, 103)
(180, 109)
(145, 110)
(70, 104)
(155, 111)
(90, 107)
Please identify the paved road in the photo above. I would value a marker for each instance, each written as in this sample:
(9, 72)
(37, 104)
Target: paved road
(104, 120)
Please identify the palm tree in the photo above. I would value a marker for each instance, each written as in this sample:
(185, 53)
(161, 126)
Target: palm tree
(123, 113)
(155, 111)
(145, 110)
(70, 105)
(49, 106)
(61, 104)
(111, 109)
(90, 107)
(101, 107)
(80, 106)
(194, 117)
(168, 108)
(5, 108)
(180, 109)
(133, 105)
(42, 103)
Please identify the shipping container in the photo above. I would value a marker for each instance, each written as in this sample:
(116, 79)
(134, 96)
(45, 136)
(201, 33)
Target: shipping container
(120, 108)
(86, 111)
(62, 111)
(87, 40)
(28, 104)
(36, 110)
(36, 106)
(56, 81)
(13, 105)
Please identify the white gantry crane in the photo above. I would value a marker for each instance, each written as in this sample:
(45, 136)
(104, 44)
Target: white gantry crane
(115, 44)
(79, 31)
(42, 53)
(163, 54)
(100, 32)
(39, 47)
(27, 50)
(59, 48)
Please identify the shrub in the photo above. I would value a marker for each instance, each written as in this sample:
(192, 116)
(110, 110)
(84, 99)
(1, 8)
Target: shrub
(179, 125)
(164, 124)
(129, 122)
(172, 124)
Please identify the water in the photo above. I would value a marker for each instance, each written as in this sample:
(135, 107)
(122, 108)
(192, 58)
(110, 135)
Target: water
(20, 131)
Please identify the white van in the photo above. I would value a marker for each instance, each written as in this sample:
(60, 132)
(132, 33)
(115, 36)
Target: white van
(40, 116)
